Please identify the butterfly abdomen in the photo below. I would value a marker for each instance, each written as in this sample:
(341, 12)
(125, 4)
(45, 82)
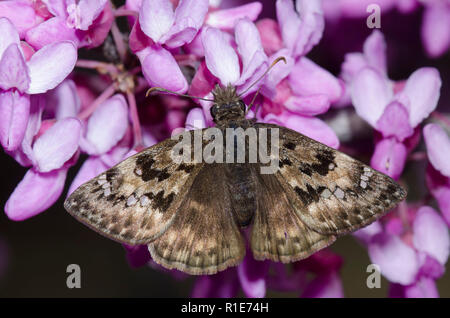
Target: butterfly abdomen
(242, 188)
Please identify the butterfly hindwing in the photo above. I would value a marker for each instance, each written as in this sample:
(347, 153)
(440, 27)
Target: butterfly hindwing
(278, 233)
(135, 201)
(204, 237)
(331, 192)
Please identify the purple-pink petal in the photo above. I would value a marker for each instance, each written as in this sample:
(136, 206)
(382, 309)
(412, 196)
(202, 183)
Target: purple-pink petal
(227, 18)
(20, 13)
(289, 22)
(50, 66)
(398, 262)
(371, 93)
(436, 28)
(14, 113)
(431, 234)
(252, 274)
(248, 40)
(309, 126)
(221, 285)
(35, 193)
(51, 31)
(64, 100)
(421, 94)
(389, 157)
(156, 17)
(195, 119)
(82, 14)
(14, 72)
(9, 34)
(308, 78)
(308, 105)
(311, 27)
(189, 17)
(375, 51)
(107, 125)
(438, 147)
(221, 59)
(57, 144)
(161, 69)
(424, 287)
(395, 122)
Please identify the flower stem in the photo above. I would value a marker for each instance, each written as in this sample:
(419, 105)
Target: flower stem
(102, 67)
(124, 13)
(107, 93)
(135, 121)
(118, 39)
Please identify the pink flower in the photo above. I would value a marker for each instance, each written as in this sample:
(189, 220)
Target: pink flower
(166, 30)
(84, 22)
(438, 174)
(392, 111)
(412, 261)
(436, 27)
(19, 78)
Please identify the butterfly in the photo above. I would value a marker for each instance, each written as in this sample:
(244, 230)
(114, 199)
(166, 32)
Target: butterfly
(192, 214)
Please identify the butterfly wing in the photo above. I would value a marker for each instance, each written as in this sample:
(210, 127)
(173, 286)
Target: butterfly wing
(331, 192)
(204, 237)
(278, 233)
(135, 201)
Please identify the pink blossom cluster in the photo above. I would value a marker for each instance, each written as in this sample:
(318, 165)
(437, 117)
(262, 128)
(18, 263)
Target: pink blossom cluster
(60, 104)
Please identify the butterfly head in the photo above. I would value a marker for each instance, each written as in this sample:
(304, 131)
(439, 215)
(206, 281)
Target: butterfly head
(227, 105)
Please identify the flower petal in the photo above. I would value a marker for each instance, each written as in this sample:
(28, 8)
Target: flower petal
(156, 17)
(395, 122)
(366, 233)
(35, 193)
(370, 93)
(270, 35)
(83, 14)
(50, 66)
(221, 59)
(436, 29)
(307, 78)
(398, 262)
(375, 51)
(425, 287)
(421, 92)
(248, 40)
(195, 119)
(161, 69)
(107, 125)
(431, 234)
(289, 22)
(221, 285)
(14, 113)
(309, 105)
(189, 17)
(252, 275)
(20, 13)
(438, 147)
(309, 126)
(227, 18)
(389, 157)
(311, 27)
(64, 100)
(57, 145)
(9, 34)
(51, 31)
(14, 71)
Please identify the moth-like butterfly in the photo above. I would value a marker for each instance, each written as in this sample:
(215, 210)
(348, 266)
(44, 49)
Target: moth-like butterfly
(191, 215)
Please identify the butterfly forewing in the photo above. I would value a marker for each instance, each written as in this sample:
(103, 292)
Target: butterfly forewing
(137, 200)
(331, 192)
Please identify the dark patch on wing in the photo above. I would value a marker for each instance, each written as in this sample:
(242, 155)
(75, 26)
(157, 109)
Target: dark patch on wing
(159, 202)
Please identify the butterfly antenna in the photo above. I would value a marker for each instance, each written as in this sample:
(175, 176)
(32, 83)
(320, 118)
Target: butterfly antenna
(160, 89)
(281, 58)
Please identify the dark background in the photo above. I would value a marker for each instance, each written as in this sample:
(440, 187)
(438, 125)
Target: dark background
(35, 253)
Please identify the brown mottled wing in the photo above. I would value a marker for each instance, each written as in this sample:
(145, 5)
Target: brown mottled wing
(135, 201)
(204, 237)
(331, 192)
(278, 233)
